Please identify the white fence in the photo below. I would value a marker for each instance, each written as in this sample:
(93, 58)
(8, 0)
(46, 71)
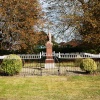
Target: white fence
(59, 55)
(72, 55)
(77, 55)
(30, 56)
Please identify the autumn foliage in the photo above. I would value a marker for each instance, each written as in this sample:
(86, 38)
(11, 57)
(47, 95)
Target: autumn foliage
(90, 24)
(87, 23)
(19, 18)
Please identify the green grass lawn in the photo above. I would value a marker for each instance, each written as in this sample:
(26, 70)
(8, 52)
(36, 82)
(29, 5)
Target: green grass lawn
(50, 88)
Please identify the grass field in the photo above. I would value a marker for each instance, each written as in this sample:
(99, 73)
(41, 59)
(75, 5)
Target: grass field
(50, 88)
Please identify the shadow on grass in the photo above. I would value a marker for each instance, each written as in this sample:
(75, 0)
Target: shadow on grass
(3, 74)
(79, 72)
(84, 73)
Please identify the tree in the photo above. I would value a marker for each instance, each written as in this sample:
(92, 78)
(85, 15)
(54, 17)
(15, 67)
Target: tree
(90, 24)
(18, 18)
(76, 19)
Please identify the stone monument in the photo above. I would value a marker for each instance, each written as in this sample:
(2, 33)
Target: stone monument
(49, 62)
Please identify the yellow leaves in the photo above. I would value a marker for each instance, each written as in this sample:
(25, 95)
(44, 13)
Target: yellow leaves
(92, 21)
(24, 46)
(0, 10)
(23, 34)
(93, 39)
(30, 21)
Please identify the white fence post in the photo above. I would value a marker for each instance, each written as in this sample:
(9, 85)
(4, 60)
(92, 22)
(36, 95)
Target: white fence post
(54, 53)
(40, 55)
(59, 55)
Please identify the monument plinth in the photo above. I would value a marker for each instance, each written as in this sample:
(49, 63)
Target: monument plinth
(49, 62)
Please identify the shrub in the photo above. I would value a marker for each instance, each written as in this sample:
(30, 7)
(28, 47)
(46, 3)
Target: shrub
(11, 65)
(77, 62)
(98, 66)
(89, 65)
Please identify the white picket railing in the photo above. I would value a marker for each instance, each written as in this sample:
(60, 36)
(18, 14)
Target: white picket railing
(30, 56)
(59, 55)
(77, 55)
(2, 57)
(73, 55)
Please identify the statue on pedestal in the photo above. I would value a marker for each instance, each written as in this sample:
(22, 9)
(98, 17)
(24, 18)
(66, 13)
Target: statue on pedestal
(49, 62)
